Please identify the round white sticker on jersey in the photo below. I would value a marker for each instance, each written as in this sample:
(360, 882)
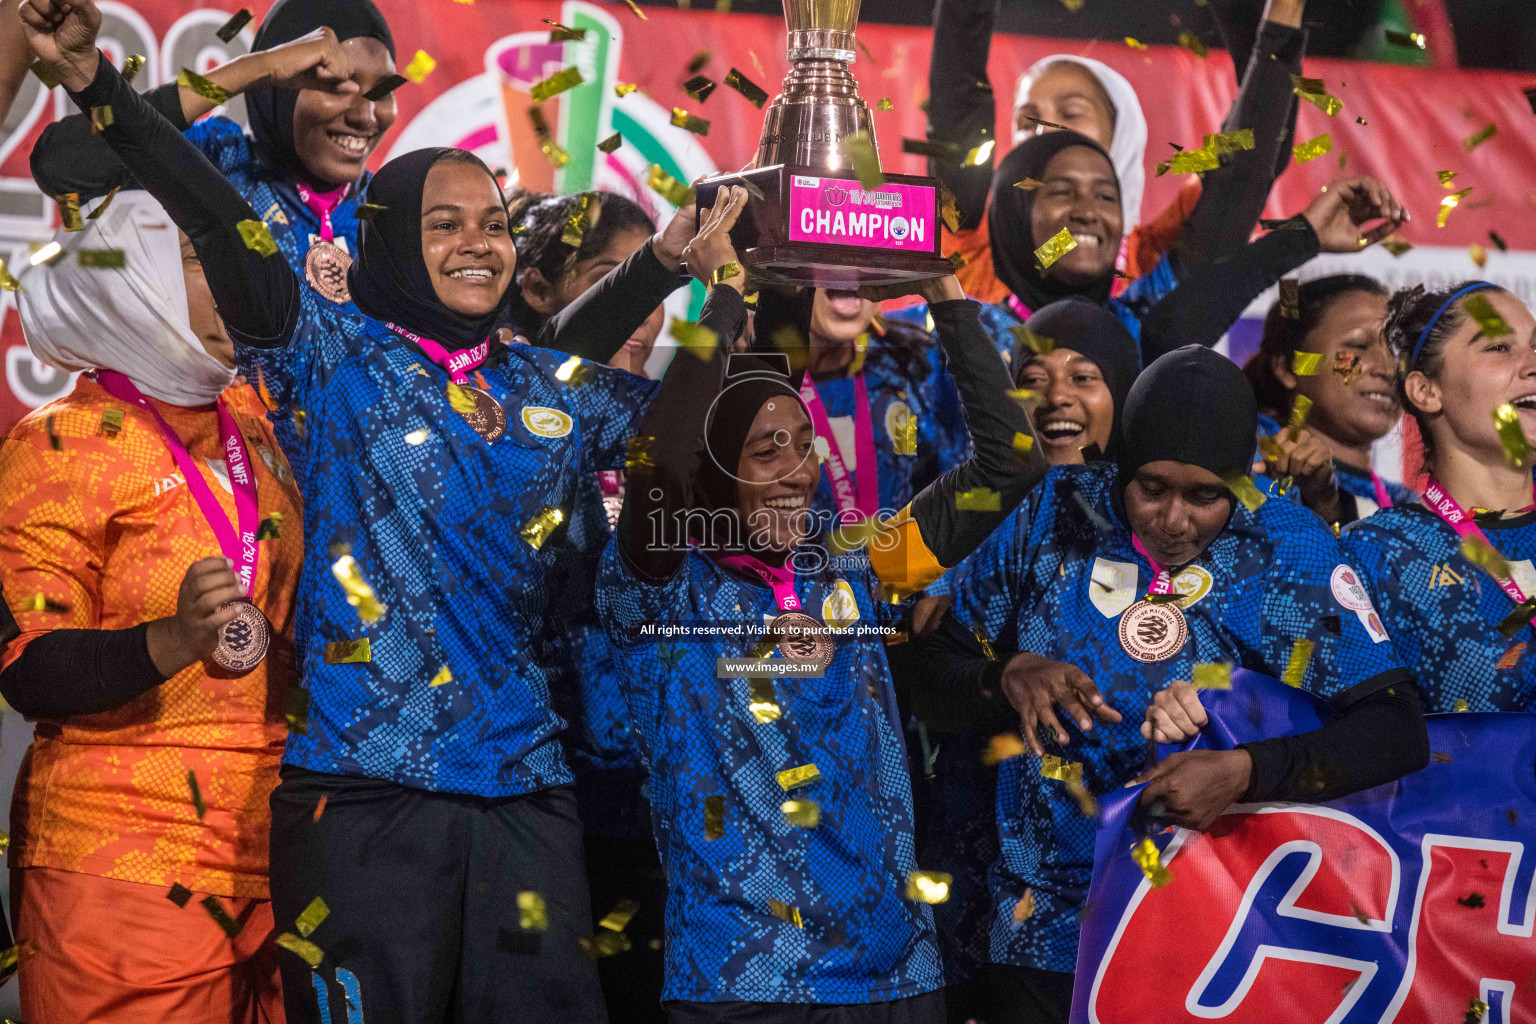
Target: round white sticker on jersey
(1348, 590)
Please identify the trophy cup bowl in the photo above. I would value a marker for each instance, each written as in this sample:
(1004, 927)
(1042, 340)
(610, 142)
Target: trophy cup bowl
(809, 221)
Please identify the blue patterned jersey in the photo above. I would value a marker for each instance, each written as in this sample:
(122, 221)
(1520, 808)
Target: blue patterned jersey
(1049, 583)
(905, 378)
(762, 910)
(444, 691)
(1444, 612)
(274, 198)
(600, 744)
(1351, 481)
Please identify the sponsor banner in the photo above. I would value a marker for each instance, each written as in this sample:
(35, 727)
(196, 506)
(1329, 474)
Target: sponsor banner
(1412, 902)
(490, 53)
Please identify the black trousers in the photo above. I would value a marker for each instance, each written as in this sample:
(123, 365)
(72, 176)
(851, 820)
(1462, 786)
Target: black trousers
(425, 925)
(923, 1009)
(627, 869)
(1025, 995)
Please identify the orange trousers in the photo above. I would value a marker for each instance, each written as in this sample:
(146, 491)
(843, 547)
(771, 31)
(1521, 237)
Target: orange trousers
(103, 951)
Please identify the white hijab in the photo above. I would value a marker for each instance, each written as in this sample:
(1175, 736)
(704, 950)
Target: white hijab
(1128, 148)
(132, 319)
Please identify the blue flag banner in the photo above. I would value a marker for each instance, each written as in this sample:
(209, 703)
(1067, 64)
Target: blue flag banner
(1411, 902)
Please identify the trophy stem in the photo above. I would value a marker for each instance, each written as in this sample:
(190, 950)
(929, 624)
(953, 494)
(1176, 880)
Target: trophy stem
(807, 122)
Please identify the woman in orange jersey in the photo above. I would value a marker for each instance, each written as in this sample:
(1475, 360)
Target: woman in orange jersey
(149, 549)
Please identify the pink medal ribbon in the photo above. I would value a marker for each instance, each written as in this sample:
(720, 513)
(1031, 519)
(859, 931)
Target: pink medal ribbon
(321, 204)
(455, 363)
(608, 479)
(1444, 506)
(1383, 499)
(238, 540)
(865, 498)
(1162, 583)
(780, 578)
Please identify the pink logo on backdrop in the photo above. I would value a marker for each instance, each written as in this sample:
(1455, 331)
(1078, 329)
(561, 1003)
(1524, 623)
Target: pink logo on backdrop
(903, 217)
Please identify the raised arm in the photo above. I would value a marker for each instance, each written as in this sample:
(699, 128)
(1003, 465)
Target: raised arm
(962, 108)
(15, 56)
(257, 296)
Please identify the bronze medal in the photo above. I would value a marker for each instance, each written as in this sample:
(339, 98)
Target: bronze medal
(802, 638)
(243, 641)
(1153, 631)
(325, 268)
(488, 419)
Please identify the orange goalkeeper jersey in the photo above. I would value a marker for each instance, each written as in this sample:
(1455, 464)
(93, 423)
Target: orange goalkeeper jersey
(97, 528)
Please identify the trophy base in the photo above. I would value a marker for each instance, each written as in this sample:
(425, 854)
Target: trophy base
(808, 228)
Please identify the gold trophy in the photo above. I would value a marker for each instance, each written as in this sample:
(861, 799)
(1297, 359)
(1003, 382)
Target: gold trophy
(809, 221)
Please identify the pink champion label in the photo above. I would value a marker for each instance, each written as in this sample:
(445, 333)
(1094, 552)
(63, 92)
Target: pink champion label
(903, 217)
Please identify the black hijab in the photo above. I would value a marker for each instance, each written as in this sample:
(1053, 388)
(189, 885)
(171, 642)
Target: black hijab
(1009, 222)
(389, 279)
(780, 309)
(1095, 333)
(751, 380)
(1191, 405)
(271, 109)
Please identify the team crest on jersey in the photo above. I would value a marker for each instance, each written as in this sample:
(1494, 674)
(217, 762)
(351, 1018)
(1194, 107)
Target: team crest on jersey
(1191, 584)
(1112, 586)
(897, 415)
(839, 609)
(1444, 576)
(546, 422)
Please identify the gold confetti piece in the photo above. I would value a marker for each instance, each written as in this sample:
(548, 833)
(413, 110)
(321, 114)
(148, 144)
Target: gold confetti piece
(696, 338)
(1060, 769)
(928, 886)
(444, 675)
(1299, 410)
(359, 594)
(885, 106)
(564, 33)
(1517, 450)
(700, 87)
(1448, 204)
(1073, 5)
(1498, 241)
(611, 143)
(1230, 142)
(1397, 37)
(793, 778)
(232, 928)
(1215, 675)
(1446, 177)
(1028, 184)
(1511, 657)
(1489, 323)
(904, 437)
(257, 237)
(801, 813)
(1270, 448)
(639, 457)
(714, 817)
(586, 214)
(1478, 254)
(112, 424)
(570, 370)
(933, 150)
(101, 119)
(1193, 161)
(532, 915)
(348, 652)
(1023, 443)
(46, 253)
(1312, 148)
(420, 67)
(606, 943)
(949, 213)
(785, 912)
(7, 280)
(296, 708)
(1480, 136)
(420, 436)
(555, 84)
(311, 953)
(45, 74)
(1347, 365)
(1002, 747)
(623, 912)
(207, 89)
(69, 211)
(179, 895)
(1296, 664)
(1135, 44)
(697, 62)
(102, 259)
(1147, 857)
(270, 528)
(624, 89)
(861, 155)
(1025, 908)
(197, 794)
(554, 152)
(1192, 43)
(980, 499)
(1460, 705)
(1242, 486)
(538, 529)
(669, 188)
(1055, 247)
(1304, 364)
(232, 27)
(1036, 343)
(764, 702)
(689, 122)
(1396, 245)
(981, 154)
(751, 90)
(132, 65)
(1085, 801)
(314, 915)
(1477, 1011)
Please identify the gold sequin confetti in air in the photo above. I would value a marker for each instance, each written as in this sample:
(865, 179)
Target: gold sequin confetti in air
(1296, 664)
(1490, 324)
(45, 74)
(794, 778)
(1300, 409)
(623, 89)
(700, 88)
(860, 151)
(296, 707)
(306, 950)
(1480, 136)
(1147, 857)
(359, 594)
(1517, 450)
(801, 813)
(559, 33)
(314, 915)
(1039, 344)
(132, 65)
(928, 886)
(689, 122)
(1193, 43)
(232, 27)
(669, 188)
(1025, 908)
(102, 259)
(980, 499)
(537, 530)
(532, 916)
(215, 908)
(444, 675)
(555, 84)
(623, 912)
(1211, 675)
(69, 211)
(611, 144)
(420, 67)
(1060, 769)
(885, 106)
(784, 912)
(1242, 486)
(1135, 44)
(206, 88)
(257, 237)
(348, 652)
(1055, 247)
(764, 703)
(1396, 245)
(197, 795)
(1448, 204)
(1312, 148)
(695, 338)
(270, 528)
(1002, 747)
(753, 93)
(1304, 364)
(714, 817)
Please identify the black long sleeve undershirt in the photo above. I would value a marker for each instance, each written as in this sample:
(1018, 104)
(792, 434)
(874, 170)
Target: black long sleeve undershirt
(606, 315)
(80, 672)
(71, 157)
(1208, 301)
(1375, 738)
